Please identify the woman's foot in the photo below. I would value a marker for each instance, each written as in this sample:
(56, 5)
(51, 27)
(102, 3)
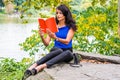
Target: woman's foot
(27, 73)
(34, 71)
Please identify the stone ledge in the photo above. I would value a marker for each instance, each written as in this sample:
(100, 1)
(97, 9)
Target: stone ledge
(41, 76)
(99, 57)
(88, 71)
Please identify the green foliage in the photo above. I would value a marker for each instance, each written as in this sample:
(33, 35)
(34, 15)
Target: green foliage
(97, 31)
(1, 3)
(2, 11)
(39, 5)
(32, 43)
(6, 2)
(12, 70)
(19, 2)
(101, 2)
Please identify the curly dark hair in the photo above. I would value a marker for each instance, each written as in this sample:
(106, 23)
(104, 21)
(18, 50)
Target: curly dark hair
(68, 16)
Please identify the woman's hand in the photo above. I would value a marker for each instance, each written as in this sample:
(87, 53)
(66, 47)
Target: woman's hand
(45, 40)
(41, 33)
(51, 34)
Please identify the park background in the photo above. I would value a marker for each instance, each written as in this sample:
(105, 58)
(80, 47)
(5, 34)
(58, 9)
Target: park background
(20, 43)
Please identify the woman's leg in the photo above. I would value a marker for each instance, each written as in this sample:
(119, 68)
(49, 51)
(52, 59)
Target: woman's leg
(40, 64)
(32, 66)
(41, 67)
(54, 52)
(64, 56)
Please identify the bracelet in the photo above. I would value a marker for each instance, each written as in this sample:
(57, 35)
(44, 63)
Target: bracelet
(57, 39)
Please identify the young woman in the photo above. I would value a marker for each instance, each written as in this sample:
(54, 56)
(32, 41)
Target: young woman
(62, 49)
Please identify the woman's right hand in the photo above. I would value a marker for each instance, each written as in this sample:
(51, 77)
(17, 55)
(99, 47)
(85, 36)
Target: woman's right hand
(46, 40)
(41, 33)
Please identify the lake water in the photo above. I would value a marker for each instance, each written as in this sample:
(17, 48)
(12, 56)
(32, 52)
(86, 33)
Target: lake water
(12, 32)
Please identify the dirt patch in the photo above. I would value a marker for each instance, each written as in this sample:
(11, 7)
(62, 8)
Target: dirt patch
(94, 61)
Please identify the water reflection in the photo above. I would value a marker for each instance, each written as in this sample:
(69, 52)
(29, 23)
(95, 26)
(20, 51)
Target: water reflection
(9, 19)
(12, 33)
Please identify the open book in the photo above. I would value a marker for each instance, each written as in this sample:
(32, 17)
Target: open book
(49, 23)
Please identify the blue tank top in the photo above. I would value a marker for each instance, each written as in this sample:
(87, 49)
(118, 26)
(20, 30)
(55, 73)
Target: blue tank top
(62, 33)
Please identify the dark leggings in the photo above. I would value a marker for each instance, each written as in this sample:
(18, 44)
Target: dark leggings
(56, 55)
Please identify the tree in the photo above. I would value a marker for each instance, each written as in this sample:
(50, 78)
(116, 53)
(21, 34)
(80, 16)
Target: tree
(119, 17)
(35, 5)
(1, 3)
(97, 29)
(9, 6)
(19, 2)
(98, 26)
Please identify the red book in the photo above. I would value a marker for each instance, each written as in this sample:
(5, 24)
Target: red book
(49, 23)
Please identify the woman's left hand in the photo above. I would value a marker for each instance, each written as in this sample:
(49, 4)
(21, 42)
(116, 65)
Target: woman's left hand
(51, 34)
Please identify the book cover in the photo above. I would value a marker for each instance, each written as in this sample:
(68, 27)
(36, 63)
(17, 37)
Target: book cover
(49, 23)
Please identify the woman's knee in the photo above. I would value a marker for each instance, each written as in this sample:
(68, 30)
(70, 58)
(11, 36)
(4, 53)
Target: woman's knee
(69, 56)
(60, 50)
(56, 49)
(68, 52)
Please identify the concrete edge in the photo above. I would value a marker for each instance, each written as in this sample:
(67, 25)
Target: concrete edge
(99, 57)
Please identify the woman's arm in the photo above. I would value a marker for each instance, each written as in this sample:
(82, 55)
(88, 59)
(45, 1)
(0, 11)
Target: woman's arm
(65, 41)
(46, 40)
(68, 38)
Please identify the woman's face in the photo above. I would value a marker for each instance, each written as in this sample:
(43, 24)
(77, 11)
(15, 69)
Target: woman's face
(60, 15)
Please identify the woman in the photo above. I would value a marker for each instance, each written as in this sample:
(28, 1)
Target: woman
(62, 50)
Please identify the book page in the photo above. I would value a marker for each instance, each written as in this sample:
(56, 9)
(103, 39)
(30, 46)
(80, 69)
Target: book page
(51, 24)
(42, 25)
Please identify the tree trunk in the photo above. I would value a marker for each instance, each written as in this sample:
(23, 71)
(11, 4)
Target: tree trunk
(9, 6)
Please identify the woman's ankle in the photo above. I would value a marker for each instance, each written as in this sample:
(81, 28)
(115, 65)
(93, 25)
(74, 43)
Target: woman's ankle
(32, 66)
(34, 71)
(28, 72)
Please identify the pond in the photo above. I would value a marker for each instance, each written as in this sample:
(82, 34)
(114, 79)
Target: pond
(13, 32)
